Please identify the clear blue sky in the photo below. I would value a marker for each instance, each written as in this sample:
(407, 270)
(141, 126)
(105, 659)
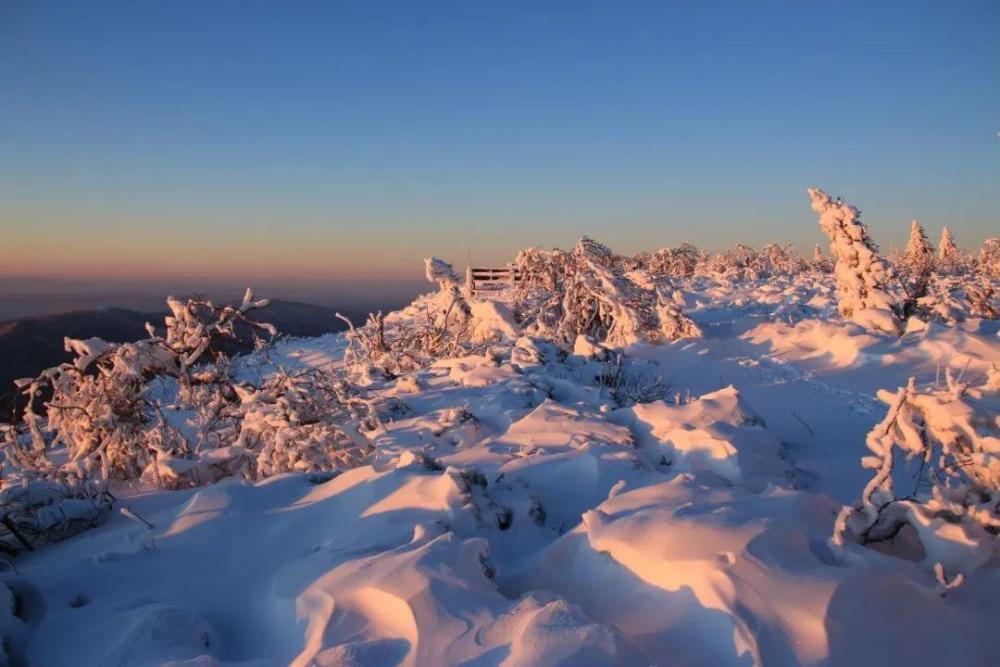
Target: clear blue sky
(330, 138)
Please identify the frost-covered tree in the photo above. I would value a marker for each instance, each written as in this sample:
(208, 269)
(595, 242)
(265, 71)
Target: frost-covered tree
(950, 260)
(952, 437)
(915, 266)
(862, 274)
(988, 262)
(918, 256)
(819, 261)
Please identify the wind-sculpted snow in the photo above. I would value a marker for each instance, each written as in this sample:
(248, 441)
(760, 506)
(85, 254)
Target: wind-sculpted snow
(697, 467)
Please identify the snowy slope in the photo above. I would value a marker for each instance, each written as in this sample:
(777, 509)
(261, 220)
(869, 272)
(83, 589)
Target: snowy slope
(513, 514)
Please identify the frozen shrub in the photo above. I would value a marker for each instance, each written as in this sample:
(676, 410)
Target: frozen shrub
(629, 382)
(679, 262)
(39, 511)
(584, 292)
(952, 435)
(862, 275)
(99, 408)
(781, 260)
(740, 263)
(305, 422)
(104, 411)
(983, 299)
(441, 272)
(942, 301)
(435, 325)
(953, 299)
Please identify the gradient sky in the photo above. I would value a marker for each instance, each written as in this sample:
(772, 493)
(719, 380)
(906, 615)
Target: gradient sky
(302, 140)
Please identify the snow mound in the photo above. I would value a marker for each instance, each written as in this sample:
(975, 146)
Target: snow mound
(715, 433)
(553, 426)
(690, 577)
(492, 320)
(840, 346)
(364, 569)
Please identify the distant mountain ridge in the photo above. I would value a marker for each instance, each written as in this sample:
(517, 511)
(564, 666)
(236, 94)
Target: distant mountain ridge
(31, 344)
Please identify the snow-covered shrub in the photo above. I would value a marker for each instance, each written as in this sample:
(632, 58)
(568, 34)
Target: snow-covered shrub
(953, 299)
(941, 301)
(742, 263)
(99, 409)
(434, 326)
(678, 262)
(38, 511)
(739, 263)
(304, 422)
(440, 272)
(585, 292)
(983, 299)
(862, 274)
(105, 415)
(630, 383)
(952, 435)
(781, 260)
(109, 411)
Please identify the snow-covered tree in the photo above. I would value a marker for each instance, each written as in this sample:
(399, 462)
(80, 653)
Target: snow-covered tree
(988, 262)
(862, 274)
(918, 256)
(915, 266)
(819, 261)
(950, 260)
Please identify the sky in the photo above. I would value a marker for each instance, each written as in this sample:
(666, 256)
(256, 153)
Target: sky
(337, 143)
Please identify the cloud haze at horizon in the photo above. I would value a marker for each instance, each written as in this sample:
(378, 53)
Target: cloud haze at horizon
(342, 143)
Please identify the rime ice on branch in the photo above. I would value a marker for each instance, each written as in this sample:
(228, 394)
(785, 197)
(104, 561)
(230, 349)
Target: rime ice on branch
(861, 272)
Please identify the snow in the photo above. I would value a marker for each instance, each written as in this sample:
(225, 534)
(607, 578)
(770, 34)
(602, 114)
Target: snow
(533, 500)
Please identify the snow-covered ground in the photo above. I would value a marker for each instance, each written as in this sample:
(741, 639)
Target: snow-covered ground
(514, 512)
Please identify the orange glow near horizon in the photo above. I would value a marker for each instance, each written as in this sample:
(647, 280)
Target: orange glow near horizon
(156, 253)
